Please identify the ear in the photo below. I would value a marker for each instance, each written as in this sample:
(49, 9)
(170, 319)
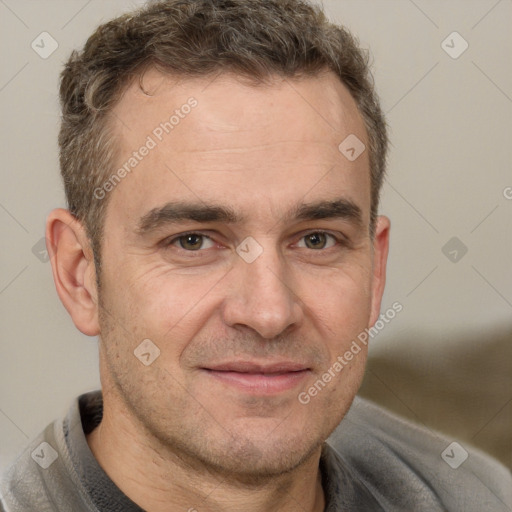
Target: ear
(380, 258)
(73, 269)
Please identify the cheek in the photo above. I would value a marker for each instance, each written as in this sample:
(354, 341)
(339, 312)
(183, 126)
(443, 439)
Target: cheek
(165, 306)
(339, 301)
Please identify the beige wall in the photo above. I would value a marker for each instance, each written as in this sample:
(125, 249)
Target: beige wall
(449, 169)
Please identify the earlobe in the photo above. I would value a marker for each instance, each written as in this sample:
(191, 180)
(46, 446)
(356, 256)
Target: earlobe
(73, 269)
(380, 258)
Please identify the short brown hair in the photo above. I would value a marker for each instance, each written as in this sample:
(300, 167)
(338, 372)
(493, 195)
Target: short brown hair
(256, 39)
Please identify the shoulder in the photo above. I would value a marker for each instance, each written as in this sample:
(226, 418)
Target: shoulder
(408, 465)
(42, 477)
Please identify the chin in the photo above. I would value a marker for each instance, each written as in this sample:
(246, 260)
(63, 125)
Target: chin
(255, 458)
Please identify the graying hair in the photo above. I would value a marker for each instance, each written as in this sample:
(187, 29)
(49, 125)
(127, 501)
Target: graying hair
(255, 39)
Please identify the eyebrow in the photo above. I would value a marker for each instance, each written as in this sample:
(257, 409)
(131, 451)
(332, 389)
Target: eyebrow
(177, 211)
(173, 212)
(336, 209)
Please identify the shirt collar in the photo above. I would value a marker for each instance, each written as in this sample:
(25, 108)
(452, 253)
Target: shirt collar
(344, 490)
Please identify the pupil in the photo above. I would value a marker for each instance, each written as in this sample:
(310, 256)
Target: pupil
(315, 240)
(191, 242)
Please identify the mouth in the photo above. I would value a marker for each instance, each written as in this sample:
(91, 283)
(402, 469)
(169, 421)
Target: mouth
(259, 378)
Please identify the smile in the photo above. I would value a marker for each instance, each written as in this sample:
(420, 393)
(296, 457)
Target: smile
(259, 379)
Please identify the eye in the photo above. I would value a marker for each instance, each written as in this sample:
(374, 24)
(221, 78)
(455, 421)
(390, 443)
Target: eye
(317, 240)
(192, 242)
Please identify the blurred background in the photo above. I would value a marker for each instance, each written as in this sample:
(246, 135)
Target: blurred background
(442, 70)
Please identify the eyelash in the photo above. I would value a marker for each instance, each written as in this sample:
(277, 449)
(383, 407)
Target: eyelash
(338, 240)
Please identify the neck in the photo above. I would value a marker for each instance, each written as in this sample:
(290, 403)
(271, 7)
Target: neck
(160, 480)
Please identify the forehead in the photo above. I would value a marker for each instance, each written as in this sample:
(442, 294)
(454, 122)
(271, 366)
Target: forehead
(219, 139)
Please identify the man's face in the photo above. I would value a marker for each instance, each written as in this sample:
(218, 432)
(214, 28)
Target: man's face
(239, 245)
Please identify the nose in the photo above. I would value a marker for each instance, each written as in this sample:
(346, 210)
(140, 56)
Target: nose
(262, 297)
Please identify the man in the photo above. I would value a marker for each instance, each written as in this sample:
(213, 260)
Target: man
(222, 161)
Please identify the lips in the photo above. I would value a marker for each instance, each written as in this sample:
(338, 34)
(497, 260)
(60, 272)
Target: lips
(254, 367)
(265, 378)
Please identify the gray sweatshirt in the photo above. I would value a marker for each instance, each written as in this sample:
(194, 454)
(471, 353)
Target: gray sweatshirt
(373, 461)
